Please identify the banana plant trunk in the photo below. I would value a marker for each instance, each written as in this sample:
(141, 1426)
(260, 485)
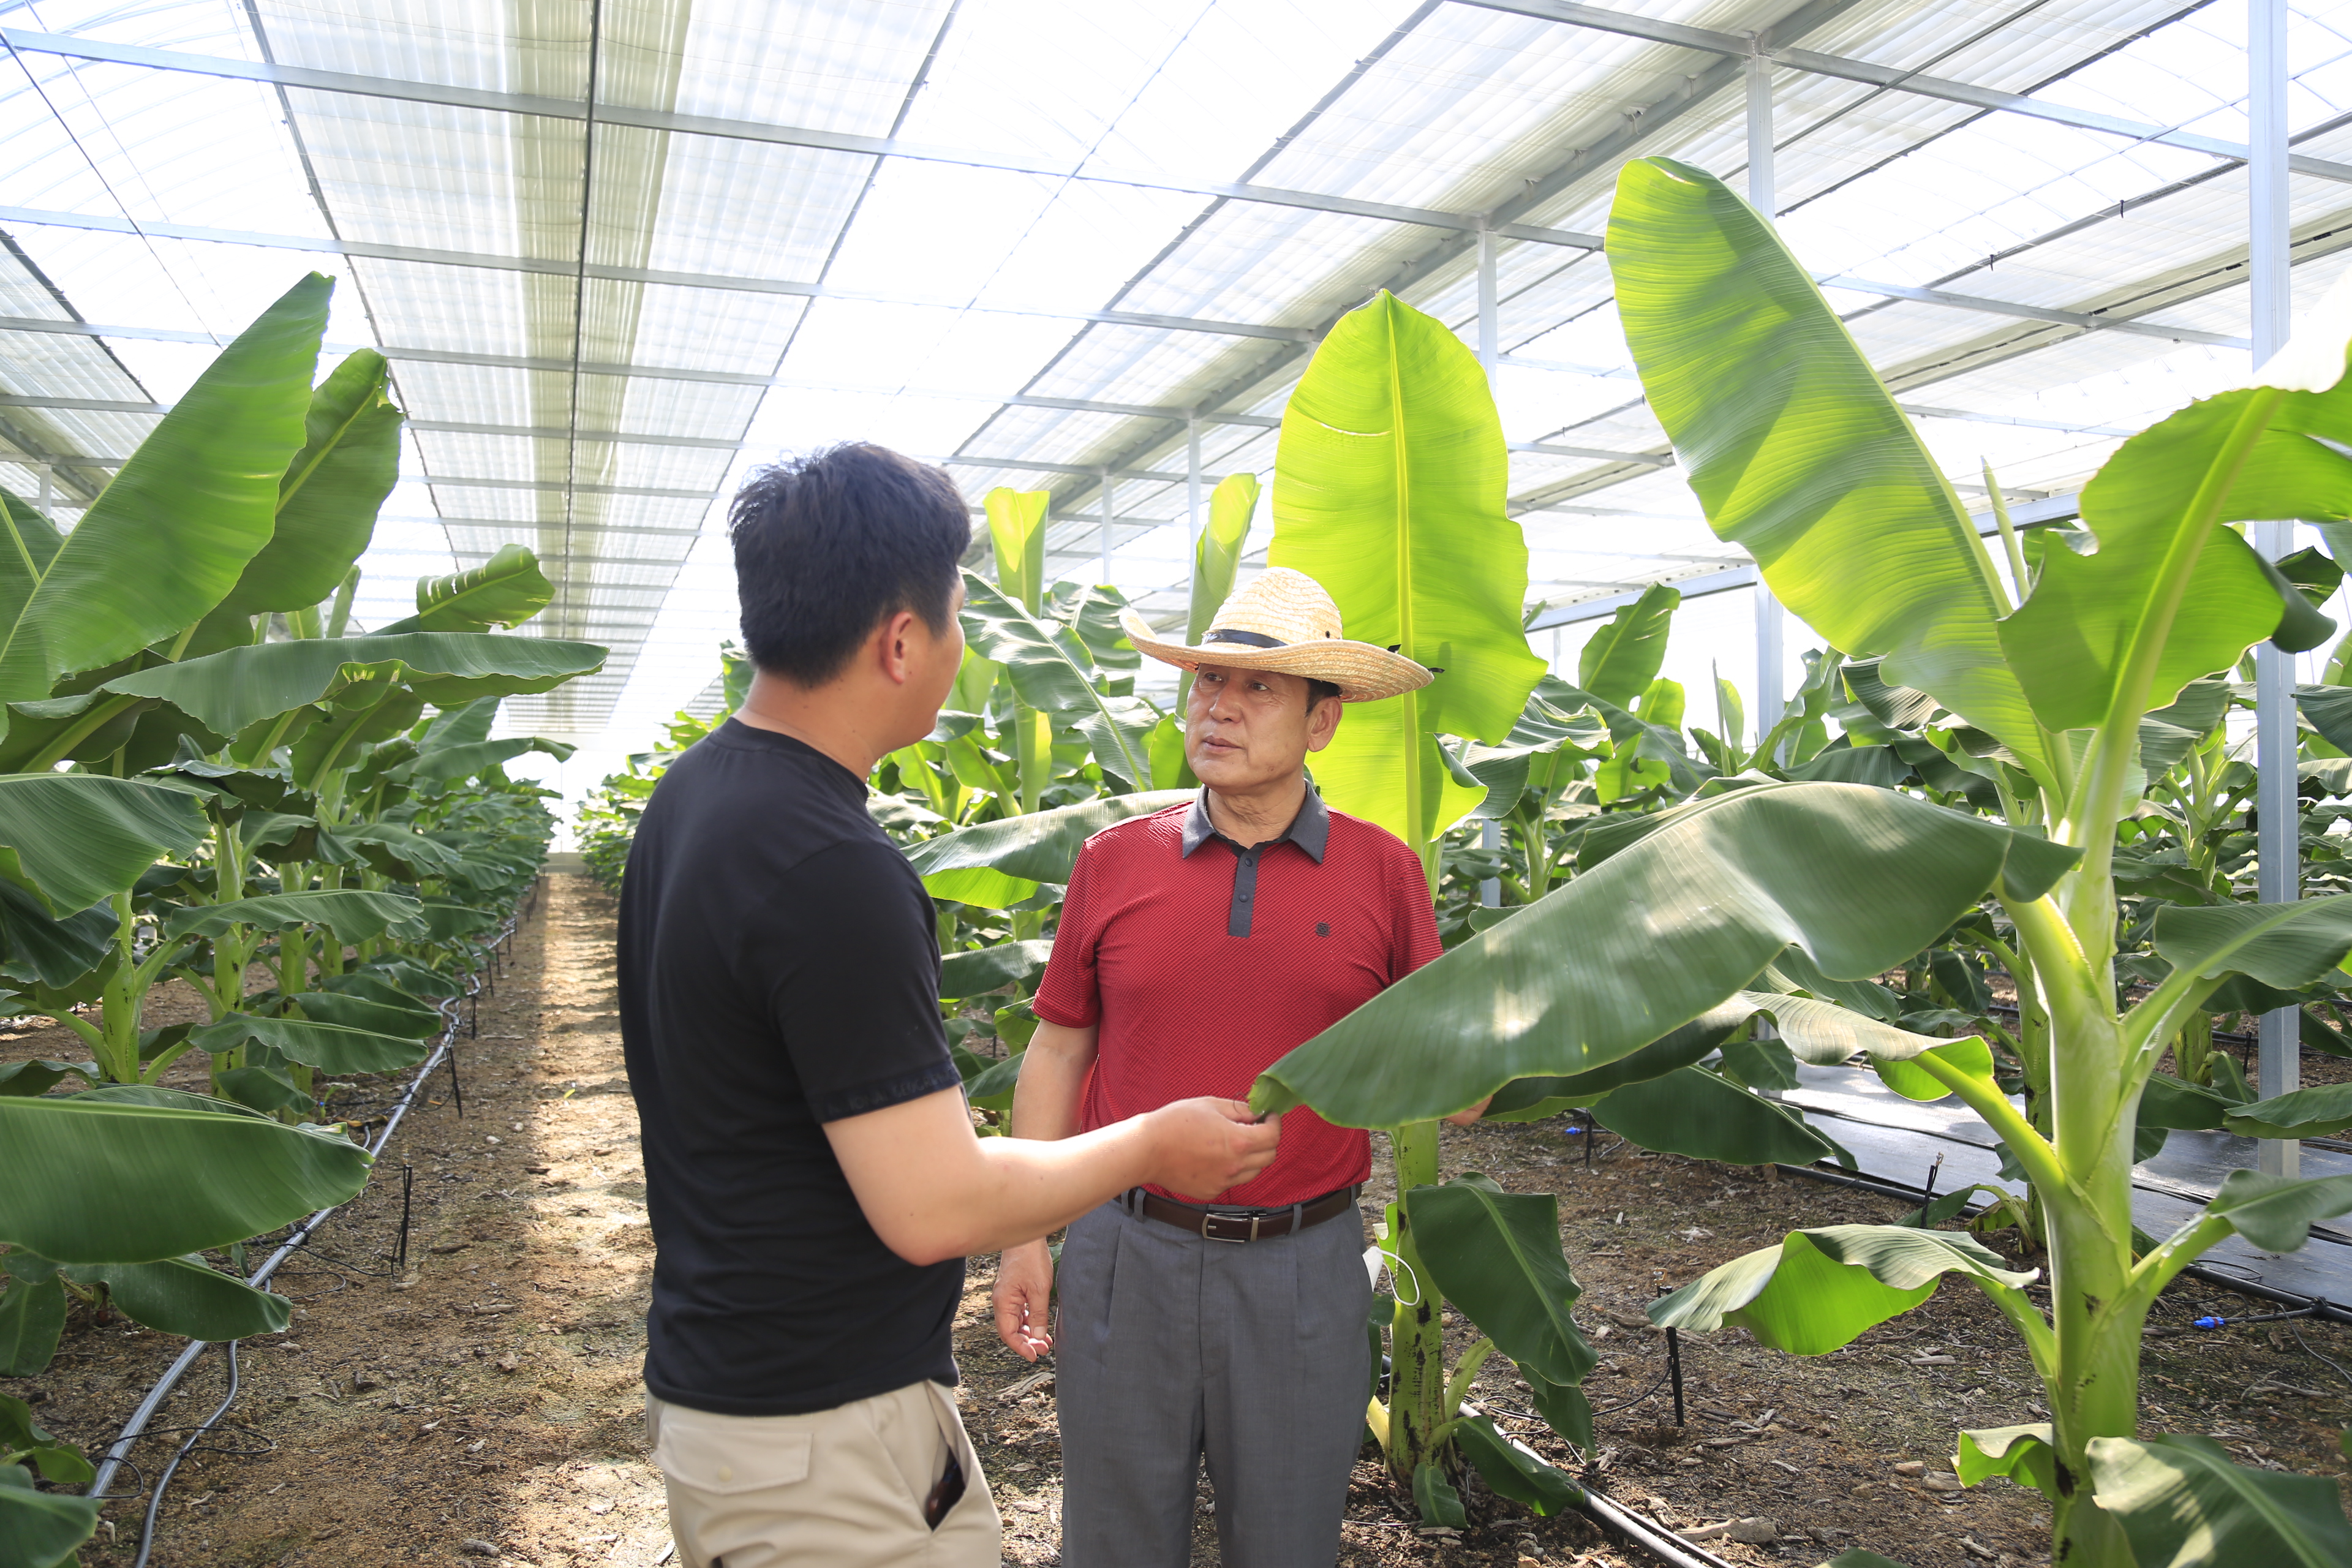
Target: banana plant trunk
(1416, 1407)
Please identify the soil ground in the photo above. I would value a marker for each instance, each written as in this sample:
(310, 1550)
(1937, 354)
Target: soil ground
(483, 1405)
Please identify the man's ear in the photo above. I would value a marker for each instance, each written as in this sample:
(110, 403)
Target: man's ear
(890, 646)
(1323, 723)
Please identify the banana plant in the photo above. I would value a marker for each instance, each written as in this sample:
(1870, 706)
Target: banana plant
(1795, 449)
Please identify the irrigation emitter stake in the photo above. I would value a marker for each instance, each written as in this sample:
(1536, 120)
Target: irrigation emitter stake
(1674, 1370)
(407, 1184)
(456, 1090)
(136, 1426)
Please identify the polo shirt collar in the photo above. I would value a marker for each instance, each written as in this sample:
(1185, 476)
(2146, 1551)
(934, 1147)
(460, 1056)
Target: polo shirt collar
(1310, 829)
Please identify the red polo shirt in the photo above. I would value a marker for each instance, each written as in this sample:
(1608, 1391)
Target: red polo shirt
(1205, 963)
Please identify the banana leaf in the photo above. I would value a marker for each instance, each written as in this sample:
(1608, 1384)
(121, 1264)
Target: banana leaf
(99, 1181)
(1821, 1287)
(172, 532)
(1001, 863)
(1655, 936)
(2070, 640)
(352, 914)
(1050, 679)
(53, 952)
(1389, 482)
(1016, 532)
(331, 1047)
(504, 591)
(38, 1529)
(71, 839)
(327, 503)
(182, 1296)
(1797, 452)
(230, 691)
(1216, 560)
(2183, 1503)
(1624, 656)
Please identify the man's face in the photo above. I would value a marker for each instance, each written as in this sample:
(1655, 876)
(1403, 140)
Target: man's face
(1247, 728)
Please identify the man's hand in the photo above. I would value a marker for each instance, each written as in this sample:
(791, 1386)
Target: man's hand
(1205, 1146)
(1464, 1118)
(1024, 1285)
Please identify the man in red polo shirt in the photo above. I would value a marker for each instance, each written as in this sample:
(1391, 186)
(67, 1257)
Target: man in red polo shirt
(1197, 946)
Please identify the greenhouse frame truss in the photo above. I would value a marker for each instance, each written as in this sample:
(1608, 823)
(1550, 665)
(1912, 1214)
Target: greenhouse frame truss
(573, 250)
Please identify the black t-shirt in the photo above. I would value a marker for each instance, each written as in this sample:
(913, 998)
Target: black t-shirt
(779, 969)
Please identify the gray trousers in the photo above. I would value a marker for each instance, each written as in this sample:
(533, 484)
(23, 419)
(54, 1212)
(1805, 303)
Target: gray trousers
(1172, 1347)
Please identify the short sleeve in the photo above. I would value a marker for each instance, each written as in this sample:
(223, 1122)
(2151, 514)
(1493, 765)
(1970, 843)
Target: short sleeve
(1070, 994)
(1417, 942)
(852, 977)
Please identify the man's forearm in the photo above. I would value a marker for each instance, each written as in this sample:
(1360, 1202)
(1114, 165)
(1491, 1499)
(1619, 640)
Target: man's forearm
(1046, 1101)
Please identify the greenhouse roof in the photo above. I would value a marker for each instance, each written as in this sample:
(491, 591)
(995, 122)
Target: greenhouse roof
(1089, 247)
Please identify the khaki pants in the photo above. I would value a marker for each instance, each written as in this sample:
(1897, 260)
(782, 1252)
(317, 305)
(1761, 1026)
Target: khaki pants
(836, 1489)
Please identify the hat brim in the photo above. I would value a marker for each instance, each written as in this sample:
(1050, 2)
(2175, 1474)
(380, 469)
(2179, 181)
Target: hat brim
(1364, 672)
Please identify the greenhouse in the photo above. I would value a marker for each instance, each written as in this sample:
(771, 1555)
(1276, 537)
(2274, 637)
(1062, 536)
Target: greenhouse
(1756, 590)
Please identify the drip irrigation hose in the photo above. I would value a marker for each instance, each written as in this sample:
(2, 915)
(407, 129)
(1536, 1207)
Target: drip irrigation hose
(136, 1428)
(1647, 1535)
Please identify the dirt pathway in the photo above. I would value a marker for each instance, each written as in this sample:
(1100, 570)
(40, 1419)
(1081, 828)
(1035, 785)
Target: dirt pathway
(484, 1405)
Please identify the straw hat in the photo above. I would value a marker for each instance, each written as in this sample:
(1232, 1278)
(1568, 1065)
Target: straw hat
(1285, 622)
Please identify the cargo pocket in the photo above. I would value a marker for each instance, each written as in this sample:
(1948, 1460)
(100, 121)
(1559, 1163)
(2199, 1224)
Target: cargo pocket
(729, 1460)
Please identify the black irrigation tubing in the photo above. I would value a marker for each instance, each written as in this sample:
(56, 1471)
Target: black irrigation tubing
(136, 1428)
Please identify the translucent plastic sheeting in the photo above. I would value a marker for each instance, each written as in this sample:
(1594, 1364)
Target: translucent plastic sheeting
(602, 309)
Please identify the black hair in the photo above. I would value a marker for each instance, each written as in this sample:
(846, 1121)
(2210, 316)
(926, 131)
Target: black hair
(1318, 689)
(828, 544)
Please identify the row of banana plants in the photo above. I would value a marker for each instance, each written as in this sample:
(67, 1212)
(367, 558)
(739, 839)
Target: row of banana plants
(2015, 776)
(206, 776)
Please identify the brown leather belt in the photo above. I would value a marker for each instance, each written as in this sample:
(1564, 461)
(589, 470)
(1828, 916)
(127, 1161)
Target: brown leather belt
(1240, 1224)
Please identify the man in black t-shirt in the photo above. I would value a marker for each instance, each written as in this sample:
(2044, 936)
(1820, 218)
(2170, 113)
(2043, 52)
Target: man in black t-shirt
(811, 1172)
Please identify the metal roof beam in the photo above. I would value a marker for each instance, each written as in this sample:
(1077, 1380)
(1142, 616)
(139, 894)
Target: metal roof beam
(1889, 78)
(2050, 509)
(479, 99)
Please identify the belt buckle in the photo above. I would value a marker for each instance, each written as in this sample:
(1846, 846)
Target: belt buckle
(1211, 1216)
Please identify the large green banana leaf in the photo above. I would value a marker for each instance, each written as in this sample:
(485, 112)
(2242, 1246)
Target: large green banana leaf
(71, 839)
(1797, 452)
(466, 726)
(1017, 530)
(1819, 1288)
(172, 532)
(182, 1296)
(1497, 1256)
(449, 763)
(352, 913)
(986, 969)
(2183, 1504)
(358, 1009)
(1049, 677)
(1625, 655)
(1216, 561)
(327, 503)
(229, 691)
(1000, 863)
(32, 1316)
(343, 737)
(33, 947)
(108, 1183)
(38, 1529)
(1656, 935)
(504, 591)
(1388, 490)
(331, 1047)
(2069, 641)
(1695, 1113)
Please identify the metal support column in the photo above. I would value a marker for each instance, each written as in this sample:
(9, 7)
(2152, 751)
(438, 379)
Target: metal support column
(1193, 524)
(2274, 729)
(1490, 354)
(1770, 658)
(1106, 526)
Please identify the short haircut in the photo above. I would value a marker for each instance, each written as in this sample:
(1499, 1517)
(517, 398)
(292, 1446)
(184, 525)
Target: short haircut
(1318, 689)
(828, 544)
